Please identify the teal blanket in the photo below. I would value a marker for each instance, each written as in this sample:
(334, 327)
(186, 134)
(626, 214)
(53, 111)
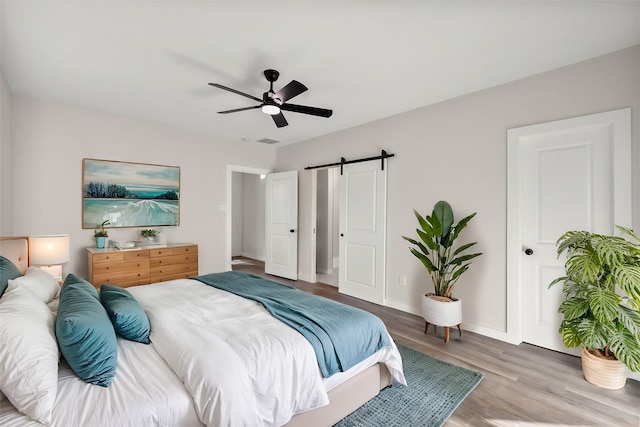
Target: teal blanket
(341, 335)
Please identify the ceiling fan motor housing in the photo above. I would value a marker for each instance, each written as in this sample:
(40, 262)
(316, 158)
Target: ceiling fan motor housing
(271, 75)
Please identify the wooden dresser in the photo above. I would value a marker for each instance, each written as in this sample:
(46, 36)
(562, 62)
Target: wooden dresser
(142, 266)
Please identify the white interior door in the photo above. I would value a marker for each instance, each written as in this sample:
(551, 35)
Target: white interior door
(363, 201)
(572, 175)
(281, 217)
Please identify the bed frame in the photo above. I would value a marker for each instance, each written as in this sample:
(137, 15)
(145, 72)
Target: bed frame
(346, 398)
(343, 399)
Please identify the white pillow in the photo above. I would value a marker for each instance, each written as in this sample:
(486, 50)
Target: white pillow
(28, 353)
(41, 283)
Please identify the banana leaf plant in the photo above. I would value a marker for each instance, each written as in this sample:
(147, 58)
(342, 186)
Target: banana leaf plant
(601, 307)
(435, 248)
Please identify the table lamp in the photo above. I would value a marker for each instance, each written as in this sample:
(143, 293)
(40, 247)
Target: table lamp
(49, 253)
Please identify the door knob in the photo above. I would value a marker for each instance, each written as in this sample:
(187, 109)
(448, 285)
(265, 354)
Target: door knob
(292, 230)
(528, 251)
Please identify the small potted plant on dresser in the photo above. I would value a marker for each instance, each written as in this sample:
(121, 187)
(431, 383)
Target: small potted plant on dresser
(601, 306)
(445, 264)
(101, 235)
(148, 235)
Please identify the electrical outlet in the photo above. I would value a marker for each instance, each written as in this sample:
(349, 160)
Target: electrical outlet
(403, 280)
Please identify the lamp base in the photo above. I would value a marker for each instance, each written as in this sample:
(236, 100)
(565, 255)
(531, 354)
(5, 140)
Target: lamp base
(54, 270)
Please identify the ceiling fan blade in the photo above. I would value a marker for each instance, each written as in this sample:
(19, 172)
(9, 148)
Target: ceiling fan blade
(279, 120)
(239, 109)
(294, 88)
(219, 86)
(314, 111)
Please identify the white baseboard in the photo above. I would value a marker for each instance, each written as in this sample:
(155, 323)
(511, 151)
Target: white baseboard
(466, 326)
(253, 256)
(483, 330)
(322, 271)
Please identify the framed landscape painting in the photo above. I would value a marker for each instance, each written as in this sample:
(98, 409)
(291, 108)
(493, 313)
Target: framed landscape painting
(129, 194)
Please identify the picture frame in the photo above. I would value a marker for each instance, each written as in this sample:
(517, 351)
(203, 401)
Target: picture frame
(128, 194)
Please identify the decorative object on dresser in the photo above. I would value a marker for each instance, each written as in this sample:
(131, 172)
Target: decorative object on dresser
(140, 266)
(101, 235)
(444, 264)
(49, 253)
(148, 235)
(129, 194)
(601, 306)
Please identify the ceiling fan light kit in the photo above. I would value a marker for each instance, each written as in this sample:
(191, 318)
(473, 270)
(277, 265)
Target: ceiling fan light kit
(273, 103)
(270, 109)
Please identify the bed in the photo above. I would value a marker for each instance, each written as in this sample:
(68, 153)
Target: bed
(215, 358)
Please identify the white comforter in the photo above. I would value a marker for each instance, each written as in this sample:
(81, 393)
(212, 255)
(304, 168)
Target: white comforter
(242, 366)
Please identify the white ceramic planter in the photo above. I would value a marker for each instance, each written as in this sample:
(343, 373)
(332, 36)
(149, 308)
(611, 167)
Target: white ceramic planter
(441, 313)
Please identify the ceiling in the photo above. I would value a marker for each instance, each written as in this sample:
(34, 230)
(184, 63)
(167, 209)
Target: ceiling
(366, 60)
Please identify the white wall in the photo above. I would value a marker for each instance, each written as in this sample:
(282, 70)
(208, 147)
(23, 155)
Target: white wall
(456, 151)
(49, 142)
(6, 181)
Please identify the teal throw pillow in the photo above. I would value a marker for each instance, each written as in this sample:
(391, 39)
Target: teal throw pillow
(85, 334)
(127, 316)
(8, 271)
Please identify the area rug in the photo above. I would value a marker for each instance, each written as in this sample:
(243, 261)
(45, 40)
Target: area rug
(435, 389)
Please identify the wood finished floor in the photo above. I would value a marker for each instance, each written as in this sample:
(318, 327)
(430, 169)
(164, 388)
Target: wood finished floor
(524, 385)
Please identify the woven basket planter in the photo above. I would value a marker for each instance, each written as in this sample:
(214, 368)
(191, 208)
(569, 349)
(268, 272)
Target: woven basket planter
(609, 374)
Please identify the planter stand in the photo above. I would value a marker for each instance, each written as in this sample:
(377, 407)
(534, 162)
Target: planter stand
(446, 330)
(439, 311)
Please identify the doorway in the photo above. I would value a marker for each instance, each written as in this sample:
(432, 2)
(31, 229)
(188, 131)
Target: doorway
(245, 213)
(328, 226)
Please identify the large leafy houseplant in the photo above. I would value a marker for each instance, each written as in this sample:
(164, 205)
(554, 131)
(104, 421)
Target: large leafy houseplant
(601, 288)
(435, 248)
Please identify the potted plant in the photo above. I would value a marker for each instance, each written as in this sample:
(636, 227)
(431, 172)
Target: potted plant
(601, 307)
(444, 262)
(101, 234)
(148, 234)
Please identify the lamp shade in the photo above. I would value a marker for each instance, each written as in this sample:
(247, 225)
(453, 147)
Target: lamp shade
(48, 250)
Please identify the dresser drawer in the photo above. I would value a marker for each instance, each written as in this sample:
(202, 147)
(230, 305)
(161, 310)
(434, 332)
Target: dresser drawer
(173, 269)
(108, 257)
(131, 255)
(118, 277)
(178, 250)
(175, 276)
(108, 267)
(174, 259)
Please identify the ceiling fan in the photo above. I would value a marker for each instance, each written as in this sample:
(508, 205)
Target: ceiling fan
(273, 103)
